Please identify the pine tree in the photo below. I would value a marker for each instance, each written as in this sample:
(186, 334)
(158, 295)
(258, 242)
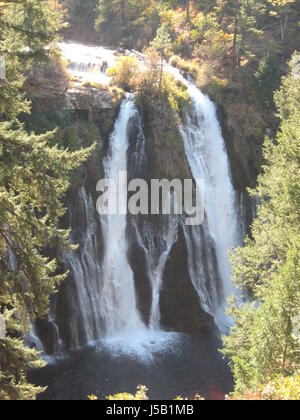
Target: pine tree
(34, 176)
(162, 44)
(240, 18)
(263, 343)
(267, 79)
(81, 12)
(282, 10)
(28, 32)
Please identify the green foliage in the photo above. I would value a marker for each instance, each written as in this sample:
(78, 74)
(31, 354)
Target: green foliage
(162, 41)
(72, 132)
(267, 79)
(241, 18)
(263, 344)
(280, 389)
(81, 12)
(148, 81)
(162, 44)
(26, 28)
(216, 89)
(176, 92)
(130, 23)
(125, 72)
(141, 395)
(34, 175)
(187, 66)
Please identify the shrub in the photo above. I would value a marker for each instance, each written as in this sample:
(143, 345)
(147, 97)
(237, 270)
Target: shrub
(216, 89)
(124, 72)
(280, 389)
(176, 92)
(147, 79)
(141, 395)
(188, 66)
(93, 85)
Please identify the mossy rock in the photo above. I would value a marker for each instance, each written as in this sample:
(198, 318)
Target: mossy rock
(165, 144)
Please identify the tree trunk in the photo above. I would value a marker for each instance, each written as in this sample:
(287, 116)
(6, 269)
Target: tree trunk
(234, 59)
(123, 23)
(188, 10)
(281, 28)
(161, 71)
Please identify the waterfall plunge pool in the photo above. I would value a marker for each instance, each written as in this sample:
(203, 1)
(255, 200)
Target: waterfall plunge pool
(185, 365)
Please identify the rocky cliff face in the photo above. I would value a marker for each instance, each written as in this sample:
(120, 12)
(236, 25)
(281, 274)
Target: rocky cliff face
(157, 249)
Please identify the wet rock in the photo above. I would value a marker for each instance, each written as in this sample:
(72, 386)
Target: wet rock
(179, 302)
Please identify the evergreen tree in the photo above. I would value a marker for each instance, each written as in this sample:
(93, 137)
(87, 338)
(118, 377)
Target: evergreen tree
(263, 343)
(34, 176)
(28, 33)
(282, 10)
(81, 13)
(267, 79)
(128, 22)
(240, 18)
(162, 44)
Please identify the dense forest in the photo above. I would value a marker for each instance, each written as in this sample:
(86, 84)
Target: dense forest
(243, 55)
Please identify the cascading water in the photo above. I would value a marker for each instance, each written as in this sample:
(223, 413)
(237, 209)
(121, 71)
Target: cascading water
(119, 255)
(202, 266)
(84, 264)
(88, 64)
(207, 156)
(102, 300)
(118, 300)
(157, 248)
(125, 332)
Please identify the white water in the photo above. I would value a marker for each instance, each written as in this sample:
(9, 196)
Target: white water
(206, 152)
(106, 293)
(88, 64)
(118, 300)
(125, 333)
(208, 160)
(201, 265)
(86, 271)
(157, 248)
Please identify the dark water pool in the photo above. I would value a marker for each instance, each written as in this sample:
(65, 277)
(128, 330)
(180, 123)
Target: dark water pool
(191, 365)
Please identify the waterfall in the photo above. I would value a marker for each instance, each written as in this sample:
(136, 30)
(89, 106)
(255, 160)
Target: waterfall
(99, 302)
(202, 266)
(157, 247)
(118, 300)
(154, 235)
(125, 332)
(208, 160)
(32, 338)
(84, 265)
